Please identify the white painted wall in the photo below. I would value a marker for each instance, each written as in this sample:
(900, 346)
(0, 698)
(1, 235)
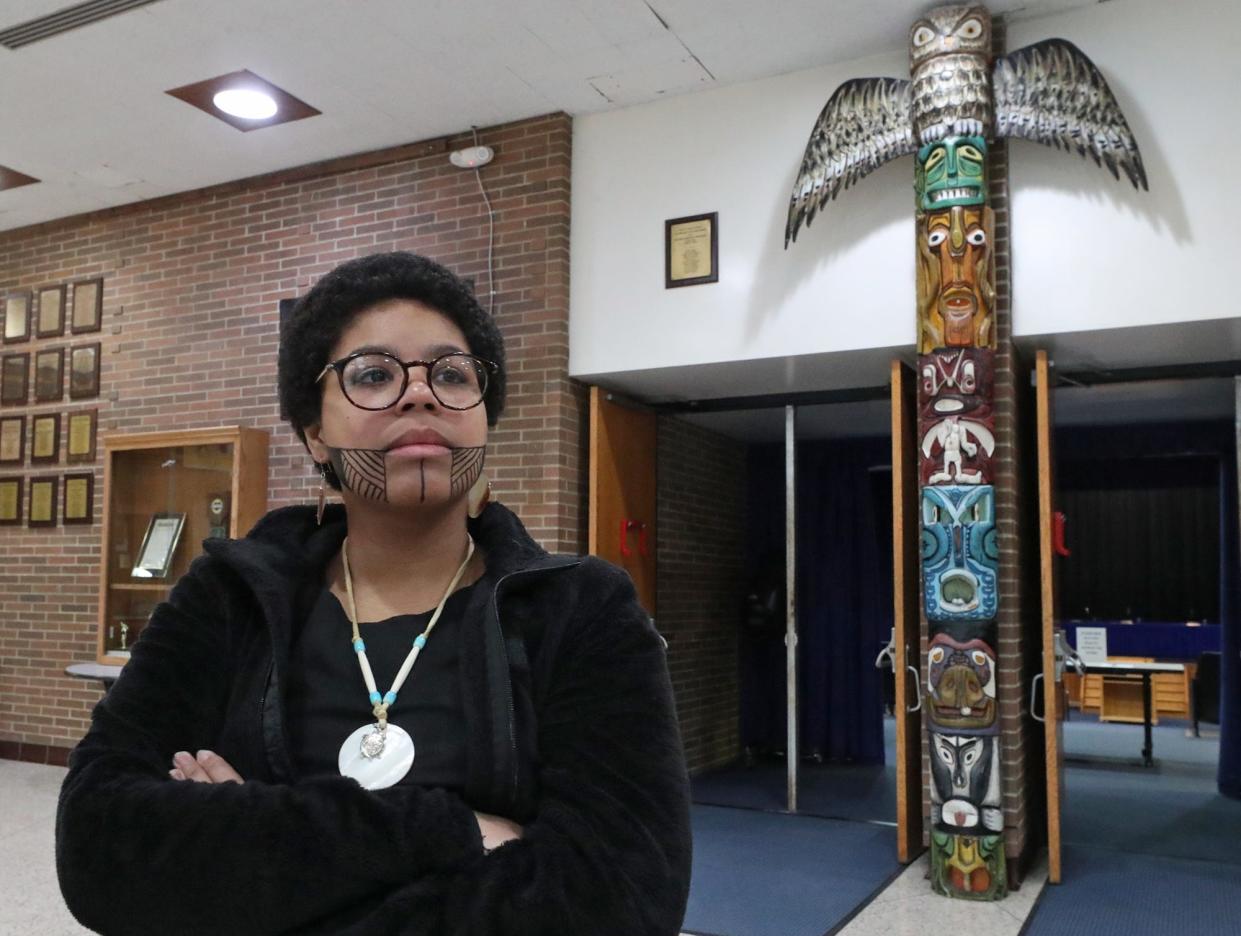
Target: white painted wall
(1089, 253)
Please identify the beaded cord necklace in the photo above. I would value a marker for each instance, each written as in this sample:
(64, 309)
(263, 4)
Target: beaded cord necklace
(379, 755)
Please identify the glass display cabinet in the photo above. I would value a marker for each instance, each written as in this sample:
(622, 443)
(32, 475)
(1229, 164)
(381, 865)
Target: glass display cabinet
(164, 493)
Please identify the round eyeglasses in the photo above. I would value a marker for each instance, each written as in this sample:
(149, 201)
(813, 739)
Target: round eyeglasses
(376, 380)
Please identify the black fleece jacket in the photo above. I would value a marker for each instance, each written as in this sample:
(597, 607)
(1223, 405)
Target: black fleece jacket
(571, 732)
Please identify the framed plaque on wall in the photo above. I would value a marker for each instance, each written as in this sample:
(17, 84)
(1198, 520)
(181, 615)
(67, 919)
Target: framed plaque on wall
(80, 437)
(45, 439)
(692, 250)
(42, 502)
(80, 497)
(12, 440)
(84, 372)
(51, 321)
(16, 317)
(87, 307)
(10, 501)
(49, 375)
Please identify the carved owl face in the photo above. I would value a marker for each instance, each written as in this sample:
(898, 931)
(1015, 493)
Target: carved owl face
(950, 29)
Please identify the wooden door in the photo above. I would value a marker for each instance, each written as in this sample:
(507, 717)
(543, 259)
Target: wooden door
(906, 655)
(1053, 713)
(621, 526)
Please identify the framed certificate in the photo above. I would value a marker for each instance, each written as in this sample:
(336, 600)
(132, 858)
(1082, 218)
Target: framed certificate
(87, 307)
(15, 379)
(45, 439)
(10, 501)
(691, 250)
(51, 321)
(49, 375)
(12, 440)
(80, 497)
(84, 372)
(80, 442)
(42, 503)
(158, 545)
(16, 317)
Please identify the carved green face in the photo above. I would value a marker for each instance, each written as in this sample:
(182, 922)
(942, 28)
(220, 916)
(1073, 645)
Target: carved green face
(951, 172)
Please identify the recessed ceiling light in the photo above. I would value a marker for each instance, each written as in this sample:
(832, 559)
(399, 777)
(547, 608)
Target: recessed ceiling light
(246, 103)
(244, 100)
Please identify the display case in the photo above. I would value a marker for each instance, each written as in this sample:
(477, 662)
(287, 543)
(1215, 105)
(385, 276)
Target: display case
(164, 493)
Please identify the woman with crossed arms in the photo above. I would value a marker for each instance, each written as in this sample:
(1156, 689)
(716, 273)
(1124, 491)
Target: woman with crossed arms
(398, 714)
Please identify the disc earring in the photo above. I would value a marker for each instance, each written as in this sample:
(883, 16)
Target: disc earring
(479, 496)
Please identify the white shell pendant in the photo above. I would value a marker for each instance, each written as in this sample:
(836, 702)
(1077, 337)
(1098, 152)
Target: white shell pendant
(376, 760)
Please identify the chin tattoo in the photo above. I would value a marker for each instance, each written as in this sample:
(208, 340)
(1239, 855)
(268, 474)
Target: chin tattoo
(364, 471)
(467, 466)
(361, 471)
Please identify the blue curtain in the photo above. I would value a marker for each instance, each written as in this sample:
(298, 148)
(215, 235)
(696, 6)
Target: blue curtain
(844, 573)
(1229, 776)
(1178, 439)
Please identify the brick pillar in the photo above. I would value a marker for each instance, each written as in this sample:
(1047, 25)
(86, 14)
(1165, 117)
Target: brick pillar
(1016, 492)
(701, 581)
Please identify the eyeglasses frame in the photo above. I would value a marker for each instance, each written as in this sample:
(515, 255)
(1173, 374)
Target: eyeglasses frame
(489, 368)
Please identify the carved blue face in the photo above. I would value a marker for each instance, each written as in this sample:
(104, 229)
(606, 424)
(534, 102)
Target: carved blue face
(960, 554)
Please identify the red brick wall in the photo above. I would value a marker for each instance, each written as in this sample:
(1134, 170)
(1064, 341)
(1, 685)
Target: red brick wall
(701, 522)
(1019, 623)
(193, 281)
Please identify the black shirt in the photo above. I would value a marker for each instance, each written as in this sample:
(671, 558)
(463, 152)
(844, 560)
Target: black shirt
(327, 699)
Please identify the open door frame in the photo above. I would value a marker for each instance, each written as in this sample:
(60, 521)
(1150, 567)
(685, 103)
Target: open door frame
(790, 610)
(621, 510)
(907, 631)
(1053, 716)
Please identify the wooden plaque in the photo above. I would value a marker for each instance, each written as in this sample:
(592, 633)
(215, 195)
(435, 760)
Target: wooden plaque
(45, 439)
(84, 372)
(16, 317)
(79, 497)
(12, 440)
(42, 511)
(49, 375)
(80, 436)
(10, 501)
(51, 321)
(87, 307)
(15, 379)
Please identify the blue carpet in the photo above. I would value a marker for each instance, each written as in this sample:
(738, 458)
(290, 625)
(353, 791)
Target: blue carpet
(1173, 810)
(1107, 893)
(762, 874)
(864, 793)
(1085, 736)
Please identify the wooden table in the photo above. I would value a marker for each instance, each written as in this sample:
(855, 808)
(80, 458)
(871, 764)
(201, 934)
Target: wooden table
(1136, 671)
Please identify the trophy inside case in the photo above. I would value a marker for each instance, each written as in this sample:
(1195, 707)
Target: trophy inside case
(165, 495)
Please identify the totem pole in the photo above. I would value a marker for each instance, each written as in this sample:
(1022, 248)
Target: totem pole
(958, 100)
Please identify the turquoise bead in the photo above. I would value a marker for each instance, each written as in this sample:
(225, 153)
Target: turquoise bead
(359, 646)
(389, 697)
(376, 698)
(420, 641)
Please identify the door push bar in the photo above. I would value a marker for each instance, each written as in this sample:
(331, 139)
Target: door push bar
(1064, 656)
(889, 653)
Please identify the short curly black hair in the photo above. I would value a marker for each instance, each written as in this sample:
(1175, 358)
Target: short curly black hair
(323, 314)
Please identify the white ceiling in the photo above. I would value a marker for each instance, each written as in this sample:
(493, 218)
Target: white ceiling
(86, 112)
